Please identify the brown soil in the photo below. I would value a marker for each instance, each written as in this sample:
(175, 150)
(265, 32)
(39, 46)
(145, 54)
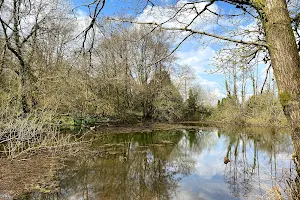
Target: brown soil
(22, 175)
(145, 127)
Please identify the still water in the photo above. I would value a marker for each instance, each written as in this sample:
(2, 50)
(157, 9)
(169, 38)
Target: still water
(179, 164)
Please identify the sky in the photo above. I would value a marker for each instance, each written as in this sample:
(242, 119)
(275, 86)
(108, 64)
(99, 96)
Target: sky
(195, 52)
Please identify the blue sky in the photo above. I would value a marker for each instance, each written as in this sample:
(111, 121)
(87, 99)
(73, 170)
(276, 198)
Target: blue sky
(192, 52)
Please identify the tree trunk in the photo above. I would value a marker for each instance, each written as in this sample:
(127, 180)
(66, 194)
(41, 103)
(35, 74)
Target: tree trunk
(285, 62)
(24, 104)
(234, 81)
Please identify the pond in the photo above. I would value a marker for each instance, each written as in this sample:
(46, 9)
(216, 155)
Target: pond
(177, 164)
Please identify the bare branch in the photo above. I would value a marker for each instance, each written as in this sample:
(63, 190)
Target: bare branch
(95, 15)
(32, 32)
(4, 28)
(262, 88)
(5, 24)
(185, 29)
(199, 13)
(1, 3)
(177, 46)
(149, 2)
(225, 15)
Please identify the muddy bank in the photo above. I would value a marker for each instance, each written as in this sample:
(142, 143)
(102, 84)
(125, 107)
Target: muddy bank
(35, 172)
(147, 127)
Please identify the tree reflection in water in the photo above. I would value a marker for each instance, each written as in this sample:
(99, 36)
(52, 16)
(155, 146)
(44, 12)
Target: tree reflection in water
(254, 160)
(182, 164)
(130, 166)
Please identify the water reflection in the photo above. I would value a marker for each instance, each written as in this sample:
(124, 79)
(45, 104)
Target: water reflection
(182, 164)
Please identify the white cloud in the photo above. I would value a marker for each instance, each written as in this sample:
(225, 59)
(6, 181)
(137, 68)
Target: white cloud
(217, 94)
(206, 83)
(199, 59)
(207, 169)
(82, 20)
(184, 14)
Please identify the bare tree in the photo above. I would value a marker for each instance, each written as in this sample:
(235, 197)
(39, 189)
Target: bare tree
(21, 23)
(183, 75)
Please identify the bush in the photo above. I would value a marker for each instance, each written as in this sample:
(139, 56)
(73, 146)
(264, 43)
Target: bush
(19, 134)
(228, 111)
(264, 109)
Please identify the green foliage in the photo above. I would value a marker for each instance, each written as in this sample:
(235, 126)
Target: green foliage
(285, 98)
(194, 109)
(191, 104)
(228, 111)
(263, 109)
(167, 101)
(66, 120)
(168, 104)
